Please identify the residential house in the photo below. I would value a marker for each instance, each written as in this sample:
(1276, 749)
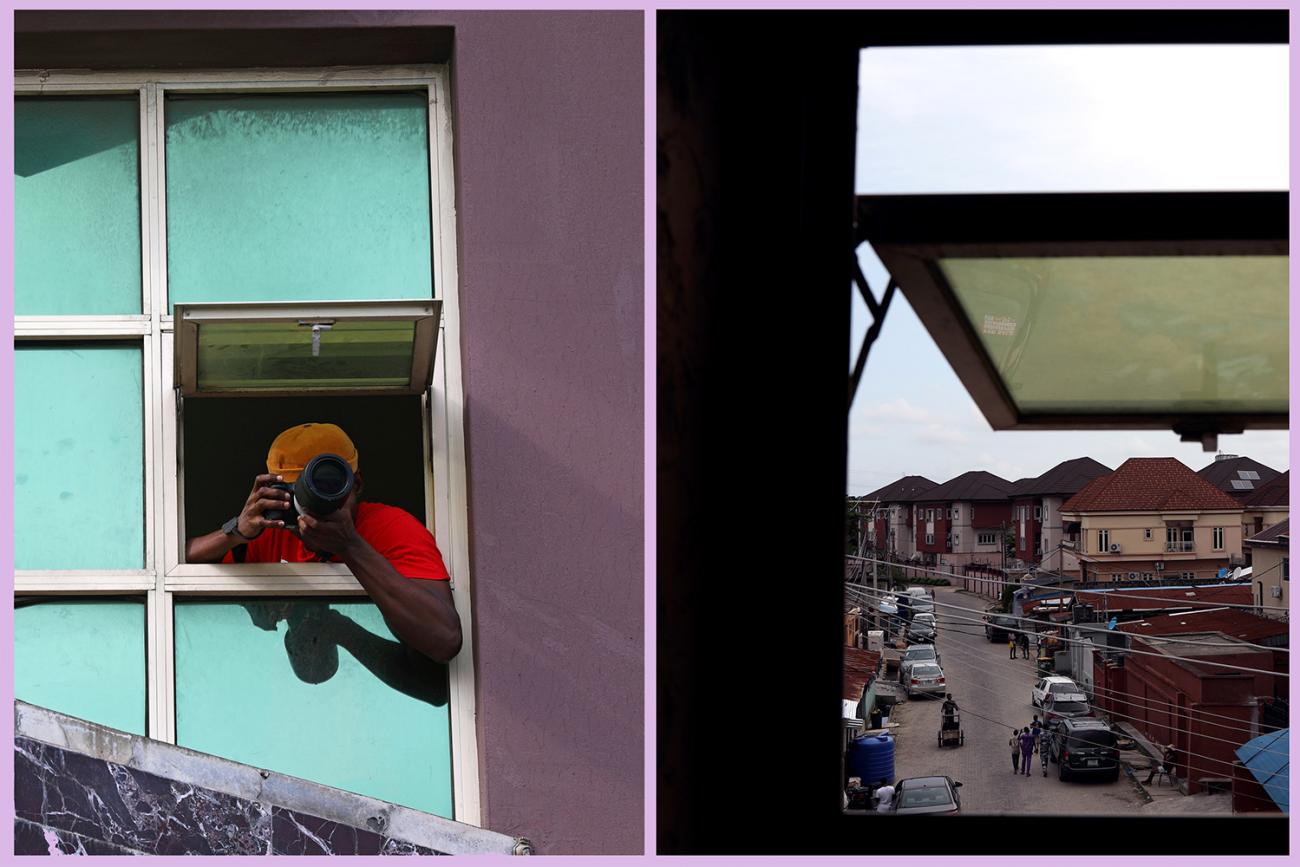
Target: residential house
(963, 520)
(1152, 518)
(889, 527)
(1036, 512)
(1271, 570)
(1266, 505)
(1237, 476)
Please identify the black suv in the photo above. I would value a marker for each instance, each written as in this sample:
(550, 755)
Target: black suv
(999, 627)
(1084, 746)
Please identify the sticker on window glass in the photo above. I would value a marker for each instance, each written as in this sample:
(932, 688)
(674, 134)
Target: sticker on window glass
(1003, 326)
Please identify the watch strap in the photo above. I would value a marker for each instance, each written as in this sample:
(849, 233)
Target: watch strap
(231, 528)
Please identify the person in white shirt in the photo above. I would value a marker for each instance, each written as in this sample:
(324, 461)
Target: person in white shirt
(884, 796)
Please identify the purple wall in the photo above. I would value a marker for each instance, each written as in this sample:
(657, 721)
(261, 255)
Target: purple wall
(549, 135)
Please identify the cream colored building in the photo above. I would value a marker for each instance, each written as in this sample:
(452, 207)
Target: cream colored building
(1271, 561)
(1152, 518)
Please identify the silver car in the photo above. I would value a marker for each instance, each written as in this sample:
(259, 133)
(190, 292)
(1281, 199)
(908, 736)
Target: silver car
(926, 678)
(914, 654)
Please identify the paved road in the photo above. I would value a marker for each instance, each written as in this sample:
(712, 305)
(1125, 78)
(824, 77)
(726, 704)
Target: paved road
(993, 693)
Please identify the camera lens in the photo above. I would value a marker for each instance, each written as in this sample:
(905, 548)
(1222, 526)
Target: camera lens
(324, 485)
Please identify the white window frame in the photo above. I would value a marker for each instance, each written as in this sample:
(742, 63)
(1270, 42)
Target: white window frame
(1146, 535)
(163, 577)
(1217, 536)
(929, 538)
(1103, 541)
(987, 539)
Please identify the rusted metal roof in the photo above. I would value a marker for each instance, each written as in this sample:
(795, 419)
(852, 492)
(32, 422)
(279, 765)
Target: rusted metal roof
(1127, 599)
(1232, 622)
(1278, 534)
(860, 669)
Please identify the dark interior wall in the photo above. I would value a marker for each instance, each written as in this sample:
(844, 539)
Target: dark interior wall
(549, 135)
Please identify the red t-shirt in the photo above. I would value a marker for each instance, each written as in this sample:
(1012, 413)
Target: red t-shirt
(393, 532)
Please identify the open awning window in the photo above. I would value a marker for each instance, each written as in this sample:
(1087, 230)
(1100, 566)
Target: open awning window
(334, 348)
(1102, 310)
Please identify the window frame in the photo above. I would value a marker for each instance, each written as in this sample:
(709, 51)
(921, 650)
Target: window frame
(1216, 539)
(442, 405)
(1103, 541)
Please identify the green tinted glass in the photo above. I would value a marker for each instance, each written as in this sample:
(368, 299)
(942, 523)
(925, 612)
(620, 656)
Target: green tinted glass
(297, 197)
(78, 457)
(316, 689)
(1132, 333)
(280, 355)
(84, 658)
(76, 206)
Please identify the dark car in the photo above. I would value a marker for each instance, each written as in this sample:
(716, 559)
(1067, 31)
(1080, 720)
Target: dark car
(999, 627)
(922, 628)
(1084, 746)
(1065, 705)
(936, 795)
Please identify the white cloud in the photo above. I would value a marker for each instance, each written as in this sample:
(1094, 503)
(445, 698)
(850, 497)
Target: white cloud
(942, 434)
(903, 411)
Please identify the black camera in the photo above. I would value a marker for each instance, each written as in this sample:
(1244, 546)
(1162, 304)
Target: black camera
(322, 487)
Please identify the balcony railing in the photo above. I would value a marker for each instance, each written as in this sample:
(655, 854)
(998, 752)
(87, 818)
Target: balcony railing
(1180, 547)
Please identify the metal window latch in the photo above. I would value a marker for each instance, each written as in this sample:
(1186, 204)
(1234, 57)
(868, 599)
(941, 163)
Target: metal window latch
(316, 329)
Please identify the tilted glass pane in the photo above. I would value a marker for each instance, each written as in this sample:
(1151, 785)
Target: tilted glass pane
(1132, 333)
(318, 689)
(78, 456)
(76, 206)
(279, 355)
(83, 657)
(296, 197)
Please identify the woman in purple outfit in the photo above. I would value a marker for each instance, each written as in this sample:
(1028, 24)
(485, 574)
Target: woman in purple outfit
(1027, 742)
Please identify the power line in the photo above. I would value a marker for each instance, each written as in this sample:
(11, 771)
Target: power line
(1127, 594)
(970, 654)
(1196, 660)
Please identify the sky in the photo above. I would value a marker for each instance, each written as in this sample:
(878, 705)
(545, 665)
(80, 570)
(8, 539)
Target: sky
(1040, 119)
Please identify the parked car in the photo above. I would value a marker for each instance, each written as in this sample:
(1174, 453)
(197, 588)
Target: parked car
(922, 628)
(1066, 705)
(998, 627)
(937, 795)
(1084, 746)
(1055, 684)
(925, 677)
(914, 654)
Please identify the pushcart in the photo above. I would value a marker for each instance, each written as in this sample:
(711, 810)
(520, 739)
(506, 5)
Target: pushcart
(950, 731)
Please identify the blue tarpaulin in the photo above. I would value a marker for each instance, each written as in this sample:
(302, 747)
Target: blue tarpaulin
(1267, 758)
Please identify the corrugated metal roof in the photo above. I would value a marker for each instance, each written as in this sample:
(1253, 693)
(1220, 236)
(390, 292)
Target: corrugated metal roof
(1232, 622)
(1125, 599)
(860, 667)
(1278, 534)
(1267, 757)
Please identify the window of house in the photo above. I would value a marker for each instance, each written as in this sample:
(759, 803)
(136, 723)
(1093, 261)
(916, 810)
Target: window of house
(1218, 538)
(1286, 568)
(1180, 538)
(1146, 576)
(1188, 576)
(203, 260)
(1146, 534)
(1038, 513)
(929, 538)
(1103, 540)
(987, 539)
(956, 541)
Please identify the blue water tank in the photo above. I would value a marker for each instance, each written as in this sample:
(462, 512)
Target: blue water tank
(871, 758)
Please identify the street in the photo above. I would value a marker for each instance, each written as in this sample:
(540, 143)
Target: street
(993, 694)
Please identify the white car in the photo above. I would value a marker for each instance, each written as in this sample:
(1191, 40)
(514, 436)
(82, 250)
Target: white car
(1055, 684)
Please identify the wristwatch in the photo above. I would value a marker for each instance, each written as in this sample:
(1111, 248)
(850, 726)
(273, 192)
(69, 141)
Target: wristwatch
(231, 528)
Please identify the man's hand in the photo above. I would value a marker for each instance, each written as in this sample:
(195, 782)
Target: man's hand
(332, 534)
(252, 520)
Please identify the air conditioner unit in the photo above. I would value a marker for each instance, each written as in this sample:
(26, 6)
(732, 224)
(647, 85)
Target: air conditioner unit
(1160, 565)
(1275, 592)
(1114, 549)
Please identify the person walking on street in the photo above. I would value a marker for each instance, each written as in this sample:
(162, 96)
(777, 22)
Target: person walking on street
(1045, 746)
(884, 796)
(1015, 751)
(1011, 646)
(1027, 743)
(1024, 645)
(1036, 725)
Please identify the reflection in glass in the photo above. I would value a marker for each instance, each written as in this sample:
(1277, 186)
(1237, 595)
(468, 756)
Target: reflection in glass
(318, 689)
(283, 355)
(1140, 333)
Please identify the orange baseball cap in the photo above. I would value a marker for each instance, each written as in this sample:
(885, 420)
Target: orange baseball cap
(294, 448)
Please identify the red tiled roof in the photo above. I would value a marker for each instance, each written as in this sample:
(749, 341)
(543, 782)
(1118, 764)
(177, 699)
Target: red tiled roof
(1149, 597)
(1149, 485)
(1232, 622)
(860, 668)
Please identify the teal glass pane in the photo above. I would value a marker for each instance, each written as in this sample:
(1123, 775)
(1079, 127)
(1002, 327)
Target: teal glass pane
(298, 197)
(85, 658)
(78, 457)
(317, 689)
(76, 206)
(1111, 334)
